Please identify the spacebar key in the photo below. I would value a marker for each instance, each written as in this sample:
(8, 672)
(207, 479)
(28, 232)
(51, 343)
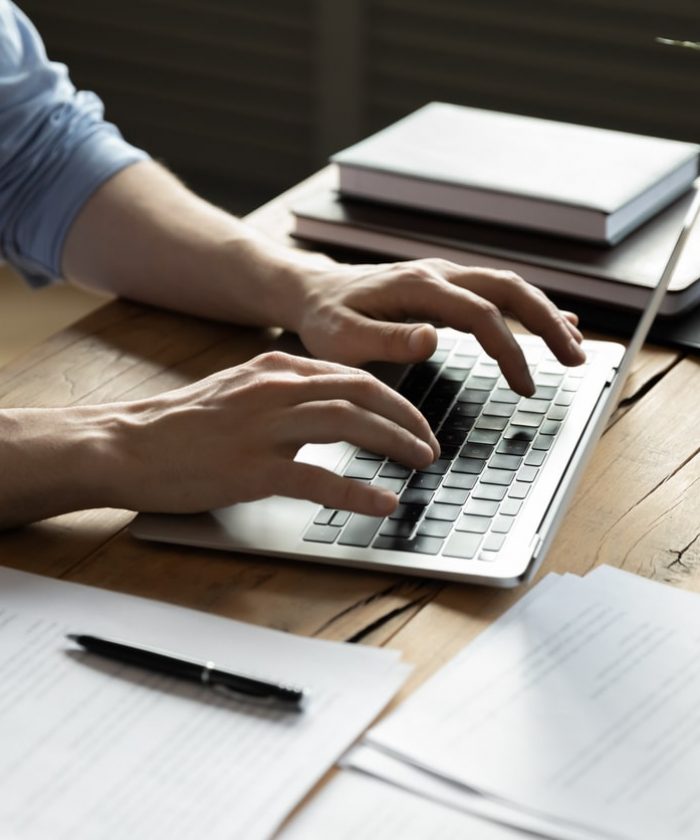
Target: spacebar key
(360, 530)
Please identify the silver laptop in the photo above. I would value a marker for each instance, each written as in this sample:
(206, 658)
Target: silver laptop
(488, 509)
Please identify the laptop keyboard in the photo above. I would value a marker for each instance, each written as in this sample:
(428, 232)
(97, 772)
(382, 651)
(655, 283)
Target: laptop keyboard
(493, 445)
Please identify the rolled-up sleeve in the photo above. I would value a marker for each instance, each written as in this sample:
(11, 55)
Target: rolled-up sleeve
(55, 150)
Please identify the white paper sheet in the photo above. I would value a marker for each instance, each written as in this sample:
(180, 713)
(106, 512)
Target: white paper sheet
(582, 704)
(369, 759)
(356, 807)
(94, 749)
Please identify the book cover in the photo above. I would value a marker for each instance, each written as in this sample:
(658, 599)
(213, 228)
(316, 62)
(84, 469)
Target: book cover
(559, 178)
(621, 276)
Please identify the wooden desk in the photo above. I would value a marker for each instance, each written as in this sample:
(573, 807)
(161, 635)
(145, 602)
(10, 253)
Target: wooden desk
(638, 508)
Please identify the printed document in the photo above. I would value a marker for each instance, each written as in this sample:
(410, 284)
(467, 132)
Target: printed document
(93, 748)
(581, 705)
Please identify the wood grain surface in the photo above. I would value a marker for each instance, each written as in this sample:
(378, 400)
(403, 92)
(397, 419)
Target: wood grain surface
(638, 506)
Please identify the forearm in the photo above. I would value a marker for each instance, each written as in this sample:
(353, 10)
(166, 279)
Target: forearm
(53, 461)
(145, 236)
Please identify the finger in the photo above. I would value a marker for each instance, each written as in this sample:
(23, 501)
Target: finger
(571, 317)
(373, 340)
(464, 310)
(367, 392)
(305, 481)
(338, 420)
(511, 293)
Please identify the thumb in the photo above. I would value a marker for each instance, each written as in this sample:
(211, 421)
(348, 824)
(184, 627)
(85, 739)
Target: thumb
(368, 340)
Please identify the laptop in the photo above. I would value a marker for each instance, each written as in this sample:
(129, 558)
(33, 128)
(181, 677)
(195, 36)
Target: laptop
(488, 509)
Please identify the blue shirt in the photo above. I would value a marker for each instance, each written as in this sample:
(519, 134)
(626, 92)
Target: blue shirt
(55, 150)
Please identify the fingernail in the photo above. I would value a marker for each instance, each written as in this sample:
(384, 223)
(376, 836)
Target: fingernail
(576, 350)
(384, 503)
(424, 451)
(416, 339)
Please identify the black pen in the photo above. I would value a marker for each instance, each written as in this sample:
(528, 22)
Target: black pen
(204, 673)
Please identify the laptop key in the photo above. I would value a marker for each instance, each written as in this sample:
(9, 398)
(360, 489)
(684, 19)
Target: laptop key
(535, 406)
(481, 507)
(550, 427)
(470, 395)
(464, 410)
(462, 545)
(557, 412)
(491, 436)
(510, 507)
(447, 513)
(468, 465)
(513, 447)
(420, 545)
(360, 530)
(535, 458)
(519, 490)
(452, 496)
(463, 481)
(321, 534)
(482, 451)
(409, 513)
(505, 462)
(425, 481)
(494, 542)
(526, 418)
(366, 455)
(414, 496)
(434, 528)
(494, 423)
(324, 516)
(361, 469)
(493, 409)
(396, 485)
(527, 474)
(439, 467)
(340, 517)
(543, 442)
(564, 398)
(502, 524)
(393, 470)
(505, 395)
(473, 524)
(493, 476)
(515, 432)
(397, 528)
(493, 492)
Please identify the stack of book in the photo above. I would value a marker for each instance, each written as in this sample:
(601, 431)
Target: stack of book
(583, 211)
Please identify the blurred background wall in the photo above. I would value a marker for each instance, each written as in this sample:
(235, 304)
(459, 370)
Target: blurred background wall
(244, 97)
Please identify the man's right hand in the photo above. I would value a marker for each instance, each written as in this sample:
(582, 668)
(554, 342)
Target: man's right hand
(232, 437)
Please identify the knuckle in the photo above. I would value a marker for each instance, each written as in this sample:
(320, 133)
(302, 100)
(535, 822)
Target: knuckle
(513, 279)
(339, 410)
(487, 312)
(273, 360)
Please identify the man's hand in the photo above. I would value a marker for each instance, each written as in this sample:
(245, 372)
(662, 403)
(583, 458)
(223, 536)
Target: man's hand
(145, 236)
(231, 437)
(356, 314)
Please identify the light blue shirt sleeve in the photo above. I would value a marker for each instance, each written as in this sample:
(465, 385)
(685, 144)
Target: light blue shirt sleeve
(55, 150)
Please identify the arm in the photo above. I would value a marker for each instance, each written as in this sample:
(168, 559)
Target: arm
(80, 203)
(143, 235)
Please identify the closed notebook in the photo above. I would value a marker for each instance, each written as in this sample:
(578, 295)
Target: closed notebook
(620, 276)
(570, 180)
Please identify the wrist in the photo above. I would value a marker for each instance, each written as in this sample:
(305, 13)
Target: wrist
(54, 461)
(284, 279)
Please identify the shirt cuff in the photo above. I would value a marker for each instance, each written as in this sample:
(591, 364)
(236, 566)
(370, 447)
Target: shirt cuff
(97, 158)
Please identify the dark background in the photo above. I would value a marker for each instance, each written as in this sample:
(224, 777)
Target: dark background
(242, 98)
